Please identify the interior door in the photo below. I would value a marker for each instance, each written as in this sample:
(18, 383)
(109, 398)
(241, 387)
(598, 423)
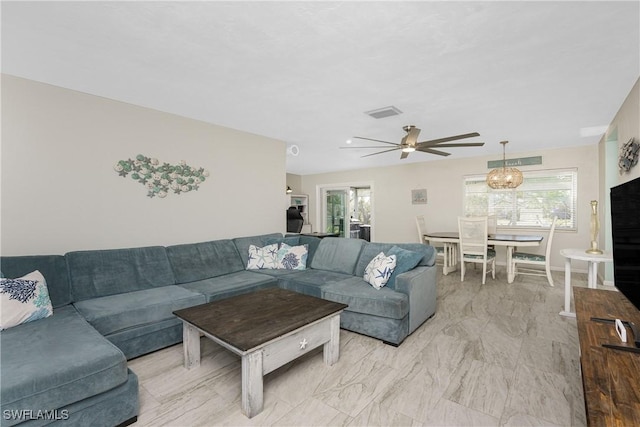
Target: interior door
(335, 218)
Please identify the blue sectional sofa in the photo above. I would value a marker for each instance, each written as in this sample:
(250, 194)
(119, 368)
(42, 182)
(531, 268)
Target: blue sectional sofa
(114, 305)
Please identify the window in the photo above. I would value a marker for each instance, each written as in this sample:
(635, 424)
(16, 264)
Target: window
(541, 196)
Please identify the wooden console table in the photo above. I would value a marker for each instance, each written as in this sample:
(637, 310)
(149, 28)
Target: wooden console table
(610, 378)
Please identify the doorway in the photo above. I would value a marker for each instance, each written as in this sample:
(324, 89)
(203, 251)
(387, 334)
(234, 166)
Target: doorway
(346, 210)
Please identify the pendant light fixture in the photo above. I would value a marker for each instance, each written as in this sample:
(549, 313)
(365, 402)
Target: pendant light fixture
(504, 177)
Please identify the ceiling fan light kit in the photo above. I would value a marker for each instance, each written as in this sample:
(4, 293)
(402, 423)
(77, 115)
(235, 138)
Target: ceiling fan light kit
(504, 178)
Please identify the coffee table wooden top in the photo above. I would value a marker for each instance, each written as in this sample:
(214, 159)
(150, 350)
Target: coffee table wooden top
(249, 320)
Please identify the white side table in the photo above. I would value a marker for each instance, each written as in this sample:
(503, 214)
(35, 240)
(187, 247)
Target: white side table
(581, 255)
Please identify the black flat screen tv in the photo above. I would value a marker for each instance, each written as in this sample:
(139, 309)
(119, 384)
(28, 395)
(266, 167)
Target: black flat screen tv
(625, 233)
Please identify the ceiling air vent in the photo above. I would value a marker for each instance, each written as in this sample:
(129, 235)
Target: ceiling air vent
(381, 113)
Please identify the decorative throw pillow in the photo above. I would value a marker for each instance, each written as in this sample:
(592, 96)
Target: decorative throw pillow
(263, 258)
(379, 270)
(293, 257)
(405, 261)
(24, 300)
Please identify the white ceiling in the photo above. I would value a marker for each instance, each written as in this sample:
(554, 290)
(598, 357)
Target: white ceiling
(533, 73)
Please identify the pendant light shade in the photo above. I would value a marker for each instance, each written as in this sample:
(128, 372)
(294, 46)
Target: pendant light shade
(504, 177)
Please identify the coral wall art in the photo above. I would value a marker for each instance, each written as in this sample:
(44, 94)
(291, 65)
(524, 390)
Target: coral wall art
(161, 179)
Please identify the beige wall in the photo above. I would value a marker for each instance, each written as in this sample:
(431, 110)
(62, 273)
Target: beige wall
(394, 214)
(624, 126)
(61, 193)
(295, 182)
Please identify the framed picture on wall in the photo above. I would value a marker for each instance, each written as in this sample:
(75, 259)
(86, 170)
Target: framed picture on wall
(419, 197)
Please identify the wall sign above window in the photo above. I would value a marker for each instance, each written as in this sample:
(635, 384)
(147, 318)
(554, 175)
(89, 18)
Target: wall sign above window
(161, 179)
(510, 163)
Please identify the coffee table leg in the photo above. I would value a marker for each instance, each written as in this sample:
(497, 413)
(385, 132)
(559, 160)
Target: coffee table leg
(191, 346)
(252, 393)
(331, 349)
(567, 289)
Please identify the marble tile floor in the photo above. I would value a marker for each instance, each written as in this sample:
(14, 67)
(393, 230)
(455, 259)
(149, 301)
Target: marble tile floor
(493, 355)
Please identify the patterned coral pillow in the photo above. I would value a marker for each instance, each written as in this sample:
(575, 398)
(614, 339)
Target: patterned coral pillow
(263, 258)
(24, 300)
(379, 270)
(293, 257)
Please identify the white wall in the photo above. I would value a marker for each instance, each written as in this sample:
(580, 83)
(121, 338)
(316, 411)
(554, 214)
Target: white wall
(61, 193)
(624, 126)
(394, 214)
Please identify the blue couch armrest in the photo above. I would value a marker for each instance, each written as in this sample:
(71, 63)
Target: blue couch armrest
(420, 285)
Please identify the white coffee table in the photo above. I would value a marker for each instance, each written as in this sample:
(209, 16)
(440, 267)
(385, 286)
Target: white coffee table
(580, 255)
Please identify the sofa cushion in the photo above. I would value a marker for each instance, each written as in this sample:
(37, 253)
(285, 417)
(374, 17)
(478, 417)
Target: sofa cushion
(362, 298)
(405, 261)
(23, 300)
(52, 267)
(338, 254)
(115, 271)
(312, 243)
(291, 240)
(310, 282)
(370, 250)
(57, 361)
(115, 313)
(232, 284)
(198, 261)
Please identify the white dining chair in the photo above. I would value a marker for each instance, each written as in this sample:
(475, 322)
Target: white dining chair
(474, 245)
(528, 259)
(422, 229)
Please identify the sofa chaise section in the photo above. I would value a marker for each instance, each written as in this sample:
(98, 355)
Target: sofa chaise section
(61, 366)
(390, 313)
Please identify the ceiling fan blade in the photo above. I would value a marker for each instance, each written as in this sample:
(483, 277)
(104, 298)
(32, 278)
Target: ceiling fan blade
(449, 138)
(404, 155)
(411, 137)
(368, 146)
(376, 140)
(461, 144)
(380, 152)
(432, 151)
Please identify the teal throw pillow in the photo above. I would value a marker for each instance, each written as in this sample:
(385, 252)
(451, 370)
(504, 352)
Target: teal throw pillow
(405, 261)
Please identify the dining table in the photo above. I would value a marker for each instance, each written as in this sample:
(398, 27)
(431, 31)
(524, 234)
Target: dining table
(450, 240)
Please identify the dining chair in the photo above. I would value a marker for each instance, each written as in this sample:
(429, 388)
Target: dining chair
(473, 245)
(422, 229)
(527, 259)
(492, 224)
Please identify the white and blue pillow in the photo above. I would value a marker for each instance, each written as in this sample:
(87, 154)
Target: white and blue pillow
(379, 270)
(24, 300)
(293, 257)
(263, 258)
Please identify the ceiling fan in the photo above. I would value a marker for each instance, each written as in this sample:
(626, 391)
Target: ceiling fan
(409, 143)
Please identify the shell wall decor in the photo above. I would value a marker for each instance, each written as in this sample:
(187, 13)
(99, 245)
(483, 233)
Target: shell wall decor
(161, 179)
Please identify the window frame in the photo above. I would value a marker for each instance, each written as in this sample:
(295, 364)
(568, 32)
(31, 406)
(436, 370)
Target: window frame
(535, 182)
